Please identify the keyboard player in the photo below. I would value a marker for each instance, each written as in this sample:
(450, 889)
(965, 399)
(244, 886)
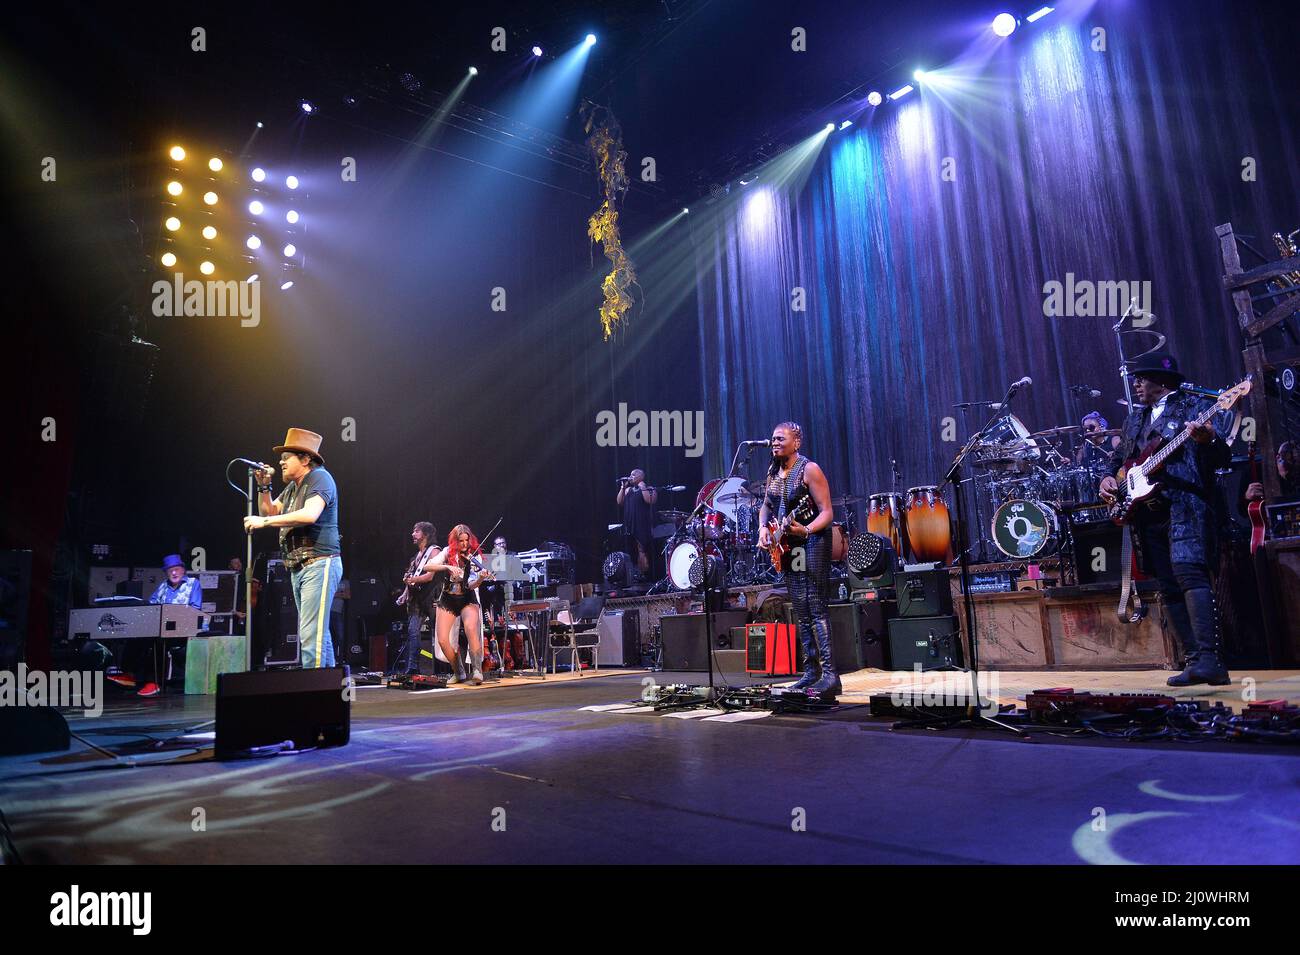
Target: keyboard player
(138, 657)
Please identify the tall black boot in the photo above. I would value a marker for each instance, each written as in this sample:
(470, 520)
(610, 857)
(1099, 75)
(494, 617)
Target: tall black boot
(811, 671)
(828, 686)
(1203, 663)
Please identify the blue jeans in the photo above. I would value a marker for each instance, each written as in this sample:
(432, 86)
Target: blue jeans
(313, 593)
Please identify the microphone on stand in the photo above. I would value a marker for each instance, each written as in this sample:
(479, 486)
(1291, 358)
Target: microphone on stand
(1024, 382)
(763, 442)
(256, 465)
(1085, 390)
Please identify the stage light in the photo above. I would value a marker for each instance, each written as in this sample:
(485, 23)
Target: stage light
(215, 164)
(253, 277)
(168, 259)
(590, 40)
(209, 232)
(259, 124)
(172, 223)
(746, 182)
(829, 127)
(874, 98)
(900, 93)
(290, 251)
(473, 71)
(253, 242)
(291, 217)
(255, 207)
(1039, 14)
(210, 198)
(286, 285)
(177, 153)
(207, 268)
(259, 174)
(846, 124)
(686, 210)
(537, 51)
(1004, 24)
(291, 182)
(307, 107)
(918, 75)
(174, 188)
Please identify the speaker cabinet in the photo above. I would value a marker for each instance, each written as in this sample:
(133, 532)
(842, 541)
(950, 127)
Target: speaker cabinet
(620, 638)
(686, 646)
(930, 642)
(1097, 550)
(858, 634)
(924, 593)
(265, 707)
(32, 729)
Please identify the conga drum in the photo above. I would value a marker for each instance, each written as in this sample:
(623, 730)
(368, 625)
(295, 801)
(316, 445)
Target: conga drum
(885, 516)
(928, 529)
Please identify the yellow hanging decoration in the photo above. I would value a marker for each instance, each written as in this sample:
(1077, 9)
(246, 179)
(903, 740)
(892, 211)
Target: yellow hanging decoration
(605, 143)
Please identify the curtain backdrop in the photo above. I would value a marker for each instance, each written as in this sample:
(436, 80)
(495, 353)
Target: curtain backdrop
(923, 292)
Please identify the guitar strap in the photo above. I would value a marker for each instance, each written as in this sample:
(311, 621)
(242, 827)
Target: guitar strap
(1127, 587)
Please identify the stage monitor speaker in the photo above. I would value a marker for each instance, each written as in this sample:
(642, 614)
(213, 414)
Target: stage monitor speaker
(772, 649)
(859, 637)
(265, 707)
(620, 638)
(930, 642)
(686, 646)
(924, 593)
(32, 729)
(873, 631)
(1097, 550)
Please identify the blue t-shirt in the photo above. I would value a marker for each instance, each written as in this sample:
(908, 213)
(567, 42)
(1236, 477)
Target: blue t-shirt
(320, 539)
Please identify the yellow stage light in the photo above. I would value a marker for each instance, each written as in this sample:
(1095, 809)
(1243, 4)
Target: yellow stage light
(177, 153)
(209, 232)
(214, 164)
(174, 188)
(172, 223)
(207, 268)
(168, 259)
(210, 198)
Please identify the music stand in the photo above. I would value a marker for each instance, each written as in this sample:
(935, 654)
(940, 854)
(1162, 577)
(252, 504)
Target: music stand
(508, 568)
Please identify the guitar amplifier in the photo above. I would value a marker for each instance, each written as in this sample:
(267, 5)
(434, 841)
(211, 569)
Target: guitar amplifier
(686, 646)
(928, 642)
(772, 649)
(620, 638)
(924, 593)
(1282, 519)
(859, 635)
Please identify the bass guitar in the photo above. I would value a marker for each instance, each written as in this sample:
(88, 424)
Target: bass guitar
(1136, 478)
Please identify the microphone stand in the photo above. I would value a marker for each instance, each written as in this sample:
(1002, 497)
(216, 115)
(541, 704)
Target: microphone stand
(249, 497)
(974, 711)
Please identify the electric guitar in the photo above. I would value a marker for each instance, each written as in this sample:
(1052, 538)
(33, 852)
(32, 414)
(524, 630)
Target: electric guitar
(1255, 509)
(801, 509)
(1136, 477)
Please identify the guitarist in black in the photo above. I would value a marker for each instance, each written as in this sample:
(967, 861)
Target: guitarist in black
(417, 593)
(792, 478)
(1173, 530)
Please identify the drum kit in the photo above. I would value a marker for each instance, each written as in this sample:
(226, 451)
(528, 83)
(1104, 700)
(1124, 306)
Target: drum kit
(1035, 482)
(724, 524)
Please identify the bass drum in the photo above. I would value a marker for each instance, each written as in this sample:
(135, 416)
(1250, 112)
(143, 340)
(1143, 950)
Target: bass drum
(1026, 529)
(682, 556)
(929, 532)
(885, 517)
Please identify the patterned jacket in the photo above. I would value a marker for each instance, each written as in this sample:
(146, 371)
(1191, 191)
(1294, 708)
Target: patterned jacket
(1187, 478)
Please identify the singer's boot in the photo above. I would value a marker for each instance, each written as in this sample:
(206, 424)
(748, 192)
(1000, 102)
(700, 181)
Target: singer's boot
(828, 686)
(476, 660)
(457, 670)
(811, 671)
(1194, 623)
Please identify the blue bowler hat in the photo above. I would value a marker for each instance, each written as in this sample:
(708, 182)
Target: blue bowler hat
(172, 560)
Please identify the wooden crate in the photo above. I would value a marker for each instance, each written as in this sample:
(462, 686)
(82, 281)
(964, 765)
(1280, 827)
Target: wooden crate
(1012, 628)
(1085, 633)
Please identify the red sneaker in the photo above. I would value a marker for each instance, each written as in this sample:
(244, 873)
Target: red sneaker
(149, 689)
(123, 679)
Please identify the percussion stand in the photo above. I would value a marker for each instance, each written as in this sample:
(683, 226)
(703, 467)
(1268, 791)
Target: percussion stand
(974, 715)
(966, 407)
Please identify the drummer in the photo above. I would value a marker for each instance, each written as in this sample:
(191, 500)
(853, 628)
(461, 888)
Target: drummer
(637, 499)
(1096, 447)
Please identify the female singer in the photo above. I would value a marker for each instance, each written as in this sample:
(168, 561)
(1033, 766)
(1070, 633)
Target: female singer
(460, 599)
(808, 567)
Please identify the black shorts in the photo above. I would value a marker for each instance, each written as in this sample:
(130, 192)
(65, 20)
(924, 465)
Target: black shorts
(455, 603)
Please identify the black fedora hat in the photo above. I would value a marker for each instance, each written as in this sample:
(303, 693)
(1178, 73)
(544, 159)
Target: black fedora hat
(1158, 365)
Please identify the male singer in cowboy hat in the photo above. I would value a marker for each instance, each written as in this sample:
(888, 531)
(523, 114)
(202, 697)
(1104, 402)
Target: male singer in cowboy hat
(1173, 531)
(307, 514)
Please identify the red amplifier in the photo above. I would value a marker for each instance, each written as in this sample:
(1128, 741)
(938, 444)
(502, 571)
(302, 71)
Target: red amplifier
(770, 649)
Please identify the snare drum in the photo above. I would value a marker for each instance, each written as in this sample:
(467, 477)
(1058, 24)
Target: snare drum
(710, 525)
(885, 517)
(1024, 529)
(929, 532)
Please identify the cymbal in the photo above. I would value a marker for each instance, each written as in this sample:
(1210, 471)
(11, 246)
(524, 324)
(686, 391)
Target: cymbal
(844, 499)
(1064, 429)
(677, 516)
(733, 498)
(757, 488)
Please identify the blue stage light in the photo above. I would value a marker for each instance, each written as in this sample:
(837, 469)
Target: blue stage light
(537, 51)
(874, 98)
(473, 71)
(1039, 14)
(591, 39)
(1004, 24)
(846, 124)
(903, 91)
(307, 107)
(918, 75)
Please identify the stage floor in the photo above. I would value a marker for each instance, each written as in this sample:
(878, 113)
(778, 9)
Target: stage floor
(526, 773)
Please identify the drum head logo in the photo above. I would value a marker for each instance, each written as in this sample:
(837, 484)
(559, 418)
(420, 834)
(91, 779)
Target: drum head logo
(1288, 379)
(1020, 529)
